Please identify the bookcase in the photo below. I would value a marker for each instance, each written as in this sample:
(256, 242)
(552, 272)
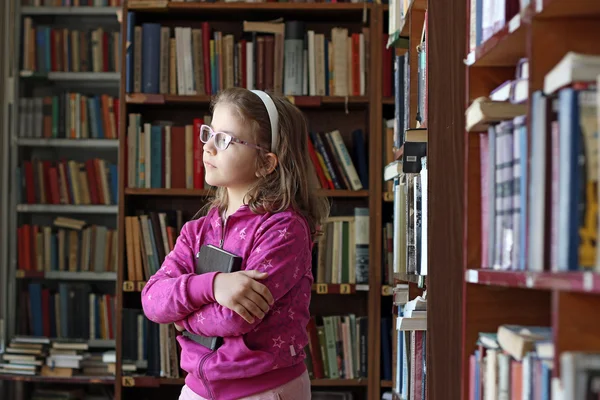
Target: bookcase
(61, 77)
(530, 194)
(226, 30)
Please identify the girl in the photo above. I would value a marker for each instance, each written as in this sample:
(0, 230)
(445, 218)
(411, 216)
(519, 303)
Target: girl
(264, 210)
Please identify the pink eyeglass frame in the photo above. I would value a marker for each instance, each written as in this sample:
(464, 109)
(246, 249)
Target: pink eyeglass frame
(230, 138)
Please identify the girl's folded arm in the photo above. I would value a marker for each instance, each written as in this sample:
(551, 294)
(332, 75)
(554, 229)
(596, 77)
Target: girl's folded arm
(175, 291)
(283, 251)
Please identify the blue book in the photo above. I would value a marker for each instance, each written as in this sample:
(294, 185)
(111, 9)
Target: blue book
(129, 52)
(150, 58)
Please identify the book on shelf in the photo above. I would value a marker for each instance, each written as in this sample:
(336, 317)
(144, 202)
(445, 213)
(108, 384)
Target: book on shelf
(92, 248)
(42, 356)
(149, 346)
(514, 362)
(48, 48)
(337, 347)
(564, 126)
(409, 348)
(336, 167)
(342, 254)
(149, 237)
(94, 181)
(66, 311)
(283, 57)
(69, 115)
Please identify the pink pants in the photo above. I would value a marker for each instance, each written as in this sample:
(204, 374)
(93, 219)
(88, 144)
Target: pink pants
(296, 389)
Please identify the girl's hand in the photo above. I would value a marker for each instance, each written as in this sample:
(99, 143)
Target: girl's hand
(240, 292)
(179, 327)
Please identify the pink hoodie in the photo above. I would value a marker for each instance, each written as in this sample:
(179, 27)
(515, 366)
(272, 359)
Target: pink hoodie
(254, 357)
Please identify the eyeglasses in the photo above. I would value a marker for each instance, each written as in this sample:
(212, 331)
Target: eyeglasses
(222, 139)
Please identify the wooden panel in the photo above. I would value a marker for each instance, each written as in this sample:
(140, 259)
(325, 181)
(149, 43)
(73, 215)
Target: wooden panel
(505, 47)
(557, 8)
(446, 152)
(482, 80)
(552, 39)
(576, 324)
(486, 308)
(375, 141)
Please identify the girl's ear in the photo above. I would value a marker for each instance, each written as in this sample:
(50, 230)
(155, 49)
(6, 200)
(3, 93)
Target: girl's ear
(269, 164)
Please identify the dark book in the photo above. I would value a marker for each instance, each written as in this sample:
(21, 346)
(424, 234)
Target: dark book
(210, 259)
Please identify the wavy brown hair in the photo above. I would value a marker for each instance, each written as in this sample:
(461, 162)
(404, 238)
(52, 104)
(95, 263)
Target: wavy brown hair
(290, 185)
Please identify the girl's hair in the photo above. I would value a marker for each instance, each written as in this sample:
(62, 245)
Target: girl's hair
(290, 185)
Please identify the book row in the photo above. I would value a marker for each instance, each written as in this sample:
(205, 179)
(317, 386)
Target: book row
(53, 49)
(69, 116)
(66, 311)
(68, 182)
(51, 248)
(283, 57)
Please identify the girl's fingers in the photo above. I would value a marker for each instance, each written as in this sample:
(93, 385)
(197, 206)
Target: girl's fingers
(252, 308)
(259, 301)
(242, 312)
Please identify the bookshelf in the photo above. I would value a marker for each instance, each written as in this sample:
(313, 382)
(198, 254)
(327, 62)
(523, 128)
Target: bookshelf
(541, 281)
(60, 146)
(323, 112)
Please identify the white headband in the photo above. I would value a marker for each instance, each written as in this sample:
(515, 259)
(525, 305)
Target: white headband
(273, 116)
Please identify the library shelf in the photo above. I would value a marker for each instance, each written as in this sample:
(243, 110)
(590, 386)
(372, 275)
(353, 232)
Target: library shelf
(151, 381)
(166, 192)
(73, 380)
(588, 282)
(387, 384)
(412, 278)
(300, 101)
(339, 382)
(318, 288)
(66, 209)
(67, 275)
(69, 11)
(205, 192)
(404, 28)
(326, 10)
(388, 101)
(69, 143)
(505, 48)
(73, 76)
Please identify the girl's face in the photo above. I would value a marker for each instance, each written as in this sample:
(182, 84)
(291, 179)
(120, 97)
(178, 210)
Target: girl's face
(234, 167)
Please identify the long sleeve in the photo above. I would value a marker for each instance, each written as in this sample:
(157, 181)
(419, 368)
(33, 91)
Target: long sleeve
(283, 250)
(175, 291)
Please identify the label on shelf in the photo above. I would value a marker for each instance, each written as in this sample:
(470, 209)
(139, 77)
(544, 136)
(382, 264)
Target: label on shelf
(588, 281)
(20, 273)
(529, 281)
(128, 381)
(345, 288)
(472, 276)
(128, 286)
(322, 288)
(386, 290)
(140, 285)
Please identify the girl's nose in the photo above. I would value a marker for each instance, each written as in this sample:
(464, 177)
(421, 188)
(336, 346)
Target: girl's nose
(210, 147)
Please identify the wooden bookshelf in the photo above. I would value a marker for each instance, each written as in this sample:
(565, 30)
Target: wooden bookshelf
(323, 113)
(562, 297)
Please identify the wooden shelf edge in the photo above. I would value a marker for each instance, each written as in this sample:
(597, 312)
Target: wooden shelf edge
(411, 278)
(103, 380)
(387, 384)
(152, 381)
(244, 6)
(584, 281)
(300, 101)
(509, 36)
(166, 192)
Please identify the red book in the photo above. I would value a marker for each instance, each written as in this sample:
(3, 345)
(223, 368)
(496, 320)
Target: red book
(198, 149)
(178, 157)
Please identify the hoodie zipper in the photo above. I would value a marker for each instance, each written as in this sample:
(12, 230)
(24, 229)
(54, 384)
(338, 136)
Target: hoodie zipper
(222, 242)
(203, 375)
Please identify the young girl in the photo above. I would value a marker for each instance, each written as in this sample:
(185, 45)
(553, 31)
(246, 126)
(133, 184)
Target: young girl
(255, 152)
